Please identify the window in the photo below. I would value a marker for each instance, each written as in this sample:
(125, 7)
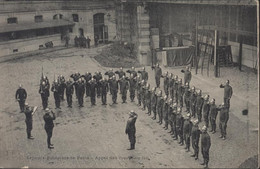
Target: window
(57, 16)
(70, 30)
(12, 20)
(38, 18)
(75, 17)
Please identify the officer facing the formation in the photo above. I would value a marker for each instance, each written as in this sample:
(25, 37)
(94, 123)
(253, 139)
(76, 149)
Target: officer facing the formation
(124, 86)
(187, 131)
(104, 90)
(158, 74)
(45, 93)
(81, 91)
(227, 93)
(205, 109)
(56, 93)
(21, 96)
(187, 75)
(223, 118)
(205, 146)
(113, 84)
(49, 126)
(132, 87)
(130, 129)
(29, 111)
(69, 92)
(213, 112)
(144, 74)
(195, 137)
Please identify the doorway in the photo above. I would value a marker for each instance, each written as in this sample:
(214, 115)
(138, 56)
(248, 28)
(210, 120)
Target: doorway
(100, 29)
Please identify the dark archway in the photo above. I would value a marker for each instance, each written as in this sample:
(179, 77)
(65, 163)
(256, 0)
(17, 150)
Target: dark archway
(100, 29)
(81, 32)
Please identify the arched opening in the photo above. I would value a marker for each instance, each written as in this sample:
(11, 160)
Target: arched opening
(100, 29)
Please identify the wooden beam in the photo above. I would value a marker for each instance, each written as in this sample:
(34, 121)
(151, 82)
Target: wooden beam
(222, 29)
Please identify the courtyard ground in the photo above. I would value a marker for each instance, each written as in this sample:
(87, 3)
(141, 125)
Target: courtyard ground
(94, 136)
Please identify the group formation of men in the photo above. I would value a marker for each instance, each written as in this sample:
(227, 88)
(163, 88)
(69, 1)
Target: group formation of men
(169, 108)
(82, 41)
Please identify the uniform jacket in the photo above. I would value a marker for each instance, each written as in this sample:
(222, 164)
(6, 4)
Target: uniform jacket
(206, 108)
(223, 115)
(113, 84)
(49, 120)
(205, 141)
(187, 125)
(228, 91)
(195, 133)
(199, 102)
(130, 125)
(69, 88)
(144, 75)
(213, 112)
(21, 94)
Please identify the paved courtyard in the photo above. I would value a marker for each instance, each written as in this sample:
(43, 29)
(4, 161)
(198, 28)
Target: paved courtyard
(94, 136)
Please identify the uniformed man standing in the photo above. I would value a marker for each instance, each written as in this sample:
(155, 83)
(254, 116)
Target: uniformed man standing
(130, 129)
(170, 115)
(124, 86)
(193, 99)
(228, 91)
(213, 112)
(165, 83)
(143, 90)
(132, 87)
(206, 108)
(187, 75)
(120, 73)
(69, 92)
(87, 77)
(171, 86)
(144, 74)
(223, 117)
(56, 93)
(165, 112)
(158, 74)
(110, 75)
(98, 77)
(45, 93)
(76, 76)
(62, 83)
(187, 95)
(159, 106)
(93, 88)
(179, 125)
(195, 137)
(176, 84)
(81, 91)
(187, 125)
(21, 96)
(148, 94)
(199, 104)
(153, 102)
(175, 132)
(29, 111)
(132, 71)
(49, 125)
(139, 89)
(205, 146)
(104, 90)
(113, 84)
(180, 93)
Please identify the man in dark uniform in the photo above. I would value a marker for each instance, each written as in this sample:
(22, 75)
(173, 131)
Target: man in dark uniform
(175, 132)
(180, 93)
(153, 102)
(132, 87)
(170, 115)
(148, 94)
(179, 125)
(213, 112)
(104, 90)
(98, 77)
(49, 126)
(193, 99)
(124, 86)
(46, 80)
(120, 73)
(187, 75)
(62, 83)
(139, 89)
(159, 106)
(93, 88)
(158, 74)
(130, 129)
(187, 131)
(223, 117)
(144, 74)
(69, 92)
(205, 146)
(143, 90)
(187, 95)
(171, 86)
(87, 78)
(165, 112)
(195, 138)
(76, 41)
(29, 111)
(199, 104)
(76, 77)
(176, 84)
(81, 92)
(228, 91)
(21, 96)
(110, 74)
(113, 85)
(132, 71)
(88, 41)
(206, 108)
(56, 93)
(165, 83)
(45, 93)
